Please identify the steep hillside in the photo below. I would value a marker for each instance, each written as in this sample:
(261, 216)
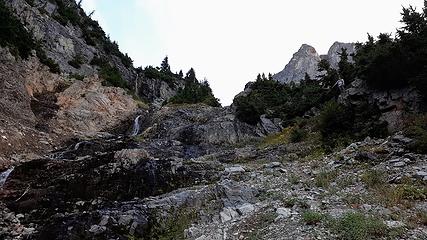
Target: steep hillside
(95, 149)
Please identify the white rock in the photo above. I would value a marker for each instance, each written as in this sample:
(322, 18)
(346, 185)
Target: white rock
(96, 229)
(227, 214)
(284, 212)
(245, 208)
(272, 165)
(394, 224)
(235, 169)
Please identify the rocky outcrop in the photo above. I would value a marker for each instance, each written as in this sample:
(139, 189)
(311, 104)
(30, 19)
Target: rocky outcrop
(65, 42)
(395, 105)
(39, 109)
(86, 107)
(306, 60)
(201, 124)
(157, 91)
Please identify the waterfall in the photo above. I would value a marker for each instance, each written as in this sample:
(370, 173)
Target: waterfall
(77, 146)
(136, 84)
(136, 126)
(4, 175)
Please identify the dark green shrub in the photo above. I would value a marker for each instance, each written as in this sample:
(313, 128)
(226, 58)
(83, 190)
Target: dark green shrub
(67, 14)
(278, 100)
(196, 92)
(387, 63)
(297, 135)
(76, 62)
(77, 77)
(374, 179)
(335, 125)
(53, 66)
(112, 77)
(418, 131)
(154, 73)
(13, 34)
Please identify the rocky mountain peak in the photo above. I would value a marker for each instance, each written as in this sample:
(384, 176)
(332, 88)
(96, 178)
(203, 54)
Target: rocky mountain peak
(306, 60)
(303, 61)
(333, 53)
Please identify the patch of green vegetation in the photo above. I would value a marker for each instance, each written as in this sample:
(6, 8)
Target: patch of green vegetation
(109, 73)
(77, 77)
(112, 76)
(340, 125)
(389, 63)
(195, 92)
(261, 222)
(155, 73)
(269, 195)
(312, 218)
(66, 14)
(294, 179)
(13, 34)
(418, 131)
(410, 192)
(77, 61)
(374, 178)
(345, 181)
(270, 97)
(53, 66)
(277, 139)
(173, 227)
(297, 135)
(356, 226)
(324, 178)
(290, 202)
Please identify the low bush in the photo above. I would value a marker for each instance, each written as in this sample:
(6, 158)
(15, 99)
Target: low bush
(324, 178)
(340, 125)
(418, 131)
(297, 135)
(312, 217)
(356, 226)
(76, 62)
(112, 77)
(374, 178)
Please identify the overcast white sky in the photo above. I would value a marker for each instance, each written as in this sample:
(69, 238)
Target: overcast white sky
(230, 41)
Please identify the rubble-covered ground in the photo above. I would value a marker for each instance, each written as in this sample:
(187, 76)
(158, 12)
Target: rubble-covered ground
(187, 186)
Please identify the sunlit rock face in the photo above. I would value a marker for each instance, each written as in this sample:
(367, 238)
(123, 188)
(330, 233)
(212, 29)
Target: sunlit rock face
(306, 61)
(303, 61)
(333, 56)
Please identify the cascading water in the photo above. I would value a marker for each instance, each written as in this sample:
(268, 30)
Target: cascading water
(136, 126)
(4, 175)
(77, 146)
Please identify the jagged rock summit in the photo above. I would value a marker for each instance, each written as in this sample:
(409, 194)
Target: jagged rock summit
(306, 60)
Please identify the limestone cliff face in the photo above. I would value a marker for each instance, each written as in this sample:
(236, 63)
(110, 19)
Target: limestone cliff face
(39, 109)
(96, 109)
(306, 60)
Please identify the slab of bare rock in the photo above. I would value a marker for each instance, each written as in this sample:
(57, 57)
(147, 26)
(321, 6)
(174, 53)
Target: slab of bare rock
(245, 209)
(284, 212)
(98, 108)
(235, 169)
